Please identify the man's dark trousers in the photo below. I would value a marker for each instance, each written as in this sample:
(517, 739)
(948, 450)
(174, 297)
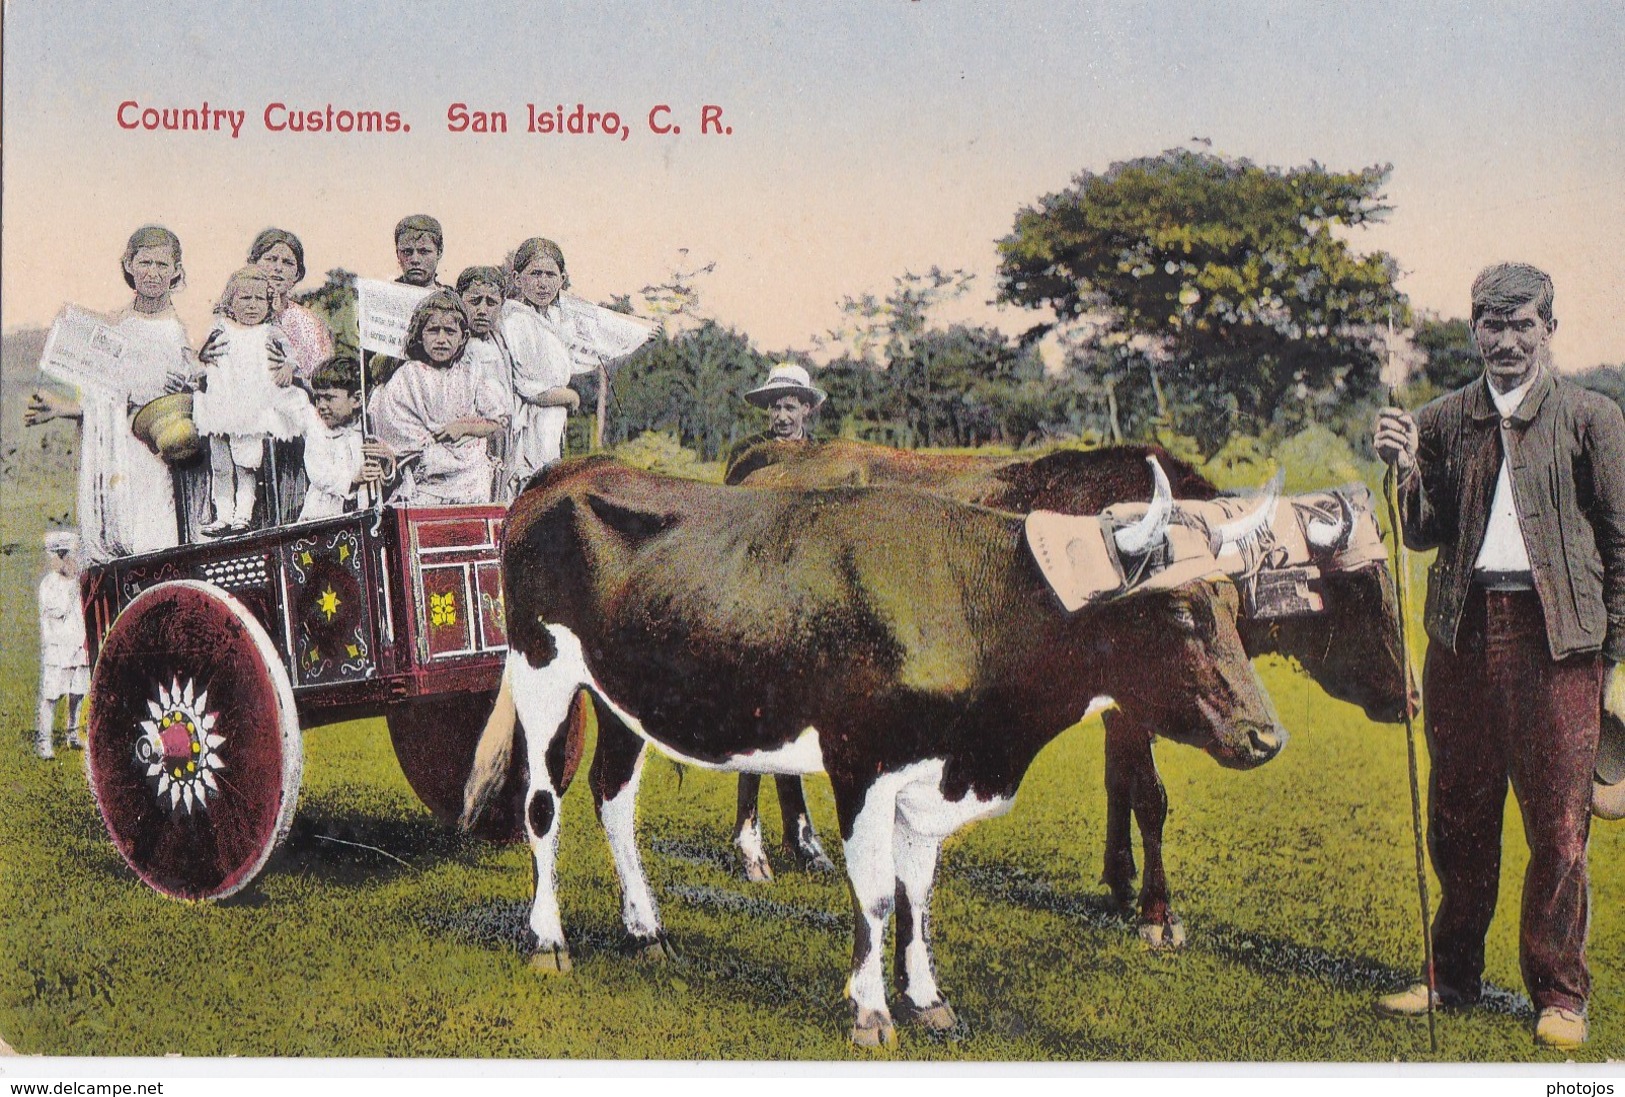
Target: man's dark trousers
(1501, 708)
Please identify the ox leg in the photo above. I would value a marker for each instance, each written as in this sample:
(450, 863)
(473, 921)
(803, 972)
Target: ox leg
(868, 821)
(748, 830)
(1125, 739)
(1133, 785)
(542, 698)
(1160, 927)
(800, 839)
(617, 768)
(916, 861)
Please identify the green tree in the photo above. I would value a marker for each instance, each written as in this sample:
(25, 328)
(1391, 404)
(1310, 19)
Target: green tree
(334, 302)
(1449, 354)
(1233, 285)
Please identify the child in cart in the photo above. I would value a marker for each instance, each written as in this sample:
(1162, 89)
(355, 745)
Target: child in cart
(339, 461)
(245, 398)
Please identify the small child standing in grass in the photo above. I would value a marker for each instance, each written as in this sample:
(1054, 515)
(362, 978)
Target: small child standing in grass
(64, 663)
(241, 404)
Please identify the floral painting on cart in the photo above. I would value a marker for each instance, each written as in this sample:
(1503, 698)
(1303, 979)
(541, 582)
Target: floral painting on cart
(454, 453)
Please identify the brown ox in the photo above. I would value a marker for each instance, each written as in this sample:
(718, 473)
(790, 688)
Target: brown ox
(1351, 648)
(905, 644)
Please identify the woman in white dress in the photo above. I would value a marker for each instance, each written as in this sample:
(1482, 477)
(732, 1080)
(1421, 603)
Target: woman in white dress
(126, 497)
(533, 329)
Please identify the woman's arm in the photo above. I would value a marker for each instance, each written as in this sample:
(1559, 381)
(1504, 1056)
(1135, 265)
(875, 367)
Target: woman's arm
(45, 405)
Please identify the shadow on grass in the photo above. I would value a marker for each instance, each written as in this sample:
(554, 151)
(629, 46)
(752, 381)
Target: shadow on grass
(1257, 952)
(347, 848)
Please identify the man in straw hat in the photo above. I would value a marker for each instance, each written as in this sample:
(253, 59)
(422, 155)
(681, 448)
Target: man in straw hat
(790, 399)
(64, 663)
(1518, 479)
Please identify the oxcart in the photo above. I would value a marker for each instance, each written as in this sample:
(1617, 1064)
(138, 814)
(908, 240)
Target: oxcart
(210, 659)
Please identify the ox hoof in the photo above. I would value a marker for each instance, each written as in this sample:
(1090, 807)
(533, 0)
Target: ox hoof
(939, 1017)
(551, 961)
(813, 860)
(1163, 935)
(873, 1029)
(758, 871)
(653, 950)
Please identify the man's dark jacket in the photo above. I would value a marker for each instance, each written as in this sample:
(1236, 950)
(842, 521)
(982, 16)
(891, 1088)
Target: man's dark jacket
(1565, 448)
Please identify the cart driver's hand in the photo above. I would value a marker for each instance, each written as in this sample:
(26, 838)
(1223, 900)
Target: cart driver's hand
(377, 450)
(372, 472)
(1394, 436)
(454, 431)
(572, 398)
(213, 348)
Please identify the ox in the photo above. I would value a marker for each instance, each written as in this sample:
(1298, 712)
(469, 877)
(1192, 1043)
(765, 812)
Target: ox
(1351, 648)
(907, 645)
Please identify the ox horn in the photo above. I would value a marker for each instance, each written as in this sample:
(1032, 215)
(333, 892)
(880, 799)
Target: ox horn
(1238, 531)
(1137, 540)
(1324, 536)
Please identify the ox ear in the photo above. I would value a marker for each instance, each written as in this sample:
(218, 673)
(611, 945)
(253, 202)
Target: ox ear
(633, 525)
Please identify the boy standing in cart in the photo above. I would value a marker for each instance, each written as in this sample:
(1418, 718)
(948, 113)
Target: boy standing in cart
(64, 662)
(339, 461)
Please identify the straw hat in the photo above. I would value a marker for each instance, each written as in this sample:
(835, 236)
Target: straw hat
(166, 426)
(786, 379)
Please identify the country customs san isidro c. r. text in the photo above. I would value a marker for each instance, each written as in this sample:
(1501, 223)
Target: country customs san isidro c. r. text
(558, 120)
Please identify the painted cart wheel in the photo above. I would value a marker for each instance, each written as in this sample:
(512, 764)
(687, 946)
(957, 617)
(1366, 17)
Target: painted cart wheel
(434, 742)
(195, 755)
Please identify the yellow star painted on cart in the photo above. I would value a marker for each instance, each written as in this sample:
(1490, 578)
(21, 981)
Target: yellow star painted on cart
(328, 603)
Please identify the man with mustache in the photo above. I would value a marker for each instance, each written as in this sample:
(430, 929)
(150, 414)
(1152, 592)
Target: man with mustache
(1518, 479)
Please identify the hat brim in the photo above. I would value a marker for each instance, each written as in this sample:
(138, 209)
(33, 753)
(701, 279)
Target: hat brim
(765, 395)
(1608, 781)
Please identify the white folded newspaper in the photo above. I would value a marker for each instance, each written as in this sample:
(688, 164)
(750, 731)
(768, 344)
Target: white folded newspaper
(595, 334)
(383, 311)
(83, 350)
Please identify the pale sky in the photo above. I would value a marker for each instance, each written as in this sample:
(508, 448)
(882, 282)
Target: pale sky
(868, 138)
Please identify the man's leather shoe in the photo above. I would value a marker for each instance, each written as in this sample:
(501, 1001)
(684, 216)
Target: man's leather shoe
(1560, 1028)
(1413, 1001)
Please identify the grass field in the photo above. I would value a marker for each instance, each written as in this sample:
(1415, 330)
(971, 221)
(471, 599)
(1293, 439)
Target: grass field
(375, 932)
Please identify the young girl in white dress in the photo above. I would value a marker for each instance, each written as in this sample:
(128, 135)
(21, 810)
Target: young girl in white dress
(437, 411)
(532, 327)
(240, 404)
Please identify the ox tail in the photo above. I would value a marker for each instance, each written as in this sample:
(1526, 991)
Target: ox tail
(491, 756)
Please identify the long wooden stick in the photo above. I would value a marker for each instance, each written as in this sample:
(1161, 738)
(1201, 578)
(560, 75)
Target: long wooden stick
(1402, 599)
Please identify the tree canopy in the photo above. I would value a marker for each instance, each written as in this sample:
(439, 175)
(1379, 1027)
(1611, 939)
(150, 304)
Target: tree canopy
(1230, 287)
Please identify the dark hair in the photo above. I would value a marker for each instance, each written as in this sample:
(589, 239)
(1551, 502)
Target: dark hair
(1507, 287)
(339, 372)
(269, 239)
(420, 222)
(470, 275)
(441, 300)
(152, 236)
(526, 254)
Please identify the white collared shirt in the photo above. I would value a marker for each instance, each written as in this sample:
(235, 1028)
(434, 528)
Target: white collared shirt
(1504, 548)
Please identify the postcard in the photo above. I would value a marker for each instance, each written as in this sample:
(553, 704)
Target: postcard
(865, 533)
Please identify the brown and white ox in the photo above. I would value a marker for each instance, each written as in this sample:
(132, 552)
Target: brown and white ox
(904, 644)
(1350, 647)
